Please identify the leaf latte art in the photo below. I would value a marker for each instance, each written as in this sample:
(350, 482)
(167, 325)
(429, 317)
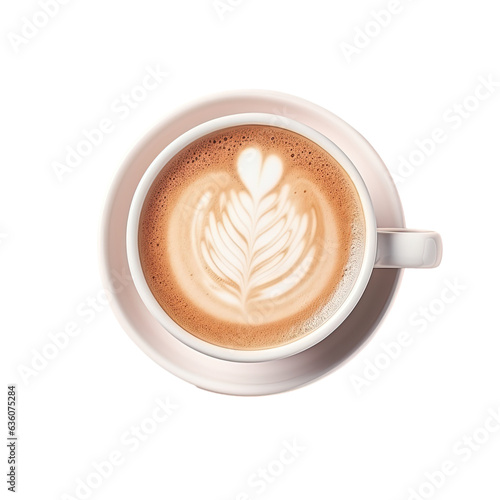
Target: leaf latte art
(255, 240)
(251, 237)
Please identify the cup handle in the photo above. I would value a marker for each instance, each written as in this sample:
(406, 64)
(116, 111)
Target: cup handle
(408, 248)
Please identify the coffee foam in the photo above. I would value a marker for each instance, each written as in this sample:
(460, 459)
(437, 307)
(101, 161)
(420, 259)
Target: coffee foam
(203, 230)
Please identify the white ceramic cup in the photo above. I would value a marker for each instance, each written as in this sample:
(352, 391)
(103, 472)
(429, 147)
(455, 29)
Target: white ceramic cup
(383, 247)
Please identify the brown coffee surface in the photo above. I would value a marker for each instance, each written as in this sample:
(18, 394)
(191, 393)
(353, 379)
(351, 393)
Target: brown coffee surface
(251, 237)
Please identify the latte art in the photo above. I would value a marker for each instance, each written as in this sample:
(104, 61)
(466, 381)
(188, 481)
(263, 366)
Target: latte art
(255, 244)
(251, 237)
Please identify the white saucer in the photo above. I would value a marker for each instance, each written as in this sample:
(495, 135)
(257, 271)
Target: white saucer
(248, 378)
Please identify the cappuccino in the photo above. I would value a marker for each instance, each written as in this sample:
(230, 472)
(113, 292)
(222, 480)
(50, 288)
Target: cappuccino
(251, 237)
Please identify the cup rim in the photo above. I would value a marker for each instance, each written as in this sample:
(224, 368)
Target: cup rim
(266, 354)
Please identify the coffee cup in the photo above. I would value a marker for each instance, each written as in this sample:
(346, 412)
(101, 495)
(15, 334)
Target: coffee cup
(252, 237)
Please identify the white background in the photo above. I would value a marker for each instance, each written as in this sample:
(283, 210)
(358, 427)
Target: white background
(376, 443)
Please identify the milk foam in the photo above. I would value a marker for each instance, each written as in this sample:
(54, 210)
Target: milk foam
(252, 237)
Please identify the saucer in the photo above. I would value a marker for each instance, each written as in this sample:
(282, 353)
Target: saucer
(269, 377)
